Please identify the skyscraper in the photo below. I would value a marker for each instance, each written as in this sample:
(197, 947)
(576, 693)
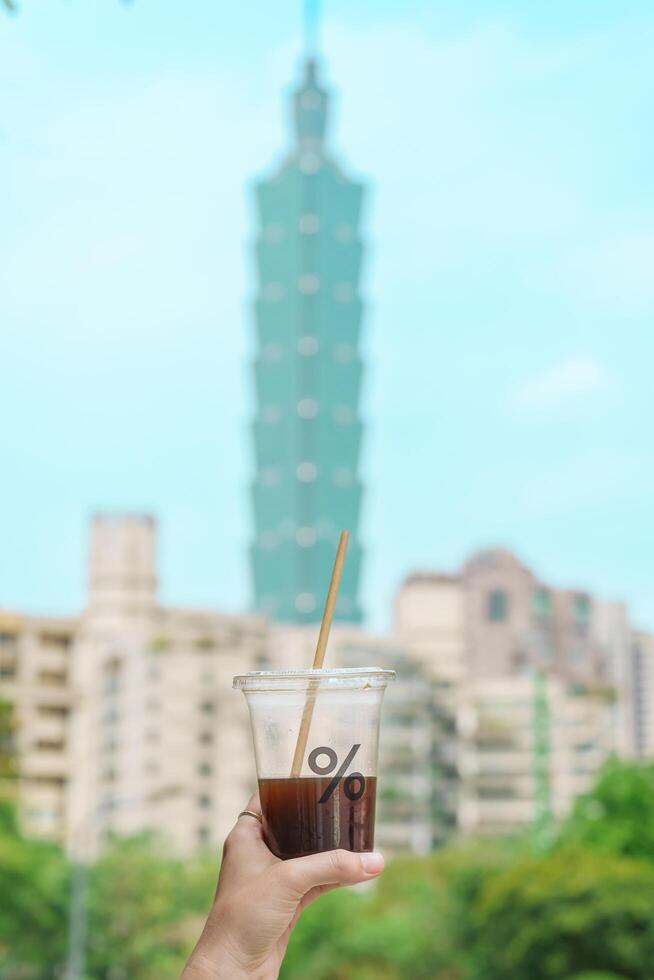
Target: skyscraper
(307, 430)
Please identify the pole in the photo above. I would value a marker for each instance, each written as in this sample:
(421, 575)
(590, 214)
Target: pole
(311, 22)
(76, 959)
(542, 791)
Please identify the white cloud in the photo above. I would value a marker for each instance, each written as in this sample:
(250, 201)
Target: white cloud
(564, 385)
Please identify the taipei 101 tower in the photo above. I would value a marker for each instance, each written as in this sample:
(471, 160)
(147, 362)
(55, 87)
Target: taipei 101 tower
(307, 429)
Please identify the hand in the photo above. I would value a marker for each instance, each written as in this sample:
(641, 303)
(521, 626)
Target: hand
(260, 898)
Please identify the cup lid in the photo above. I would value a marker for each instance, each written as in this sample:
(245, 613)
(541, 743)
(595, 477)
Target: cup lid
(260, 680)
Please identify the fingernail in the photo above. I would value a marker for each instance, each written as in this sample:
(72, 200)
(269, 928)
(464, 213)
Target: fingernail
(373, 863)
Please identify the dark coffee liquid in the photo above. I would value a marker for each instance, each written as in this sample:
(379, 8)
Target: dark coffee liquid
(295, 822)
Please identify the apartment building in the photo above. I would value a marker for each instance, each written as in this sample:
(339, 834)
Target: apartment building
(124, 718)
(489, 635)
(642, 672)
(524, 743)
(35, 668)
(159, 741)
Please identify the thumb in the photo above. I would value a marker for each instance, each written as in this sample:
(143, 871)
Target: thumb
(340, 867)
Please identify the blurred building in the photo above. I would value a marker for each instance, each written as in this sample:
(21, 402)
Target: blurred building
(35, 671)
(642, 666)
(307, 430)
(488, 635)
(506, 740)
(158, 739)
(509, 696)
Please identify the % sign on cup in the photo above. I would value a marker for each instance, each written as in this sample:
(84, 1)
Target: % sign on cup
(325, 770)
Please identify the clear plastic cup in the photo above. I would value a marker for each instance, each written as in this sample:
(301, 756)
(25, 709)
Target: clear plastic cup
(321, 796)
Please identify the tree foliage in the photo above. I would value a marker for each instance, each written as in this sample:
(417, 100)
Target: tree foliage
(617, 816)
(145, 910)
(34, 889)
(476, 910)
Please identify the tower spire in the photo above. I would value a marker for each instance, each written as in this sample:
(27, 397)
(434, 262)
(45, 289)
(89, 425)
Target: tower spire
(311, 26)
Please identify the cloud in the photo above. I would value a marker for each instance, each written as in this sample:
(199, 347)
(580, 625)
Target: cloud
(569, 383)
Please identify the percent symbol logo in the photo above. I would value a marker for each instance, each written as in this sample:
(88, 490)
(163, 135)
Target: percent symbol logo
(349, 781)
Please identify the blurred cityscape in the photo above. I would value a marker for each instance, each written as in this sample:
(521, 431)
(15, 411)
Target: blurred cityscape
(511, 692)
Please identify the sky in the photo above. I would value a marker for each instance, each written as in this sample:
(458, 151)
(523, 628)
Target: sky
(509, 156)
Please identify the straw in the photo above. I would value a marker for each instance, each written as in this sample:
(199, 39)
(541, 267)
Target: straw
(319, 656)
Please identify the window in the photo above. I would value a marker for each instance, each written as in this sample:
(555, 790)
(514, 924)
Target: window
(581, 609)
(342, 477)
(271, 414)
(344, 233)
(206, 707)
(309, 224)
(343, 292)
(268, 540)
(271, 353)
(204, 835)
(56, 641)
(305, 602)
(273, 292)
(307, 345)
(205, 738)
(343, 415)
(7, 640)
(53, 711)
(305, 537)
(204, 802)
(497, 606)
(307, 408)
(306, 472)
(273, 233)
(49, 745)
(496, 792)
(7, 670)
(308, 284)
(205, 769)
(344, 353)
(542, 602)
(205, 643)
(51, 678)
(270, 476)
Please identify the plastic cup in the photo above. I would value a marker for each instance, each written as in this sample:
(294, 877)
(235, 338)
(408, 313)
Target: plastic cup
(329, 801)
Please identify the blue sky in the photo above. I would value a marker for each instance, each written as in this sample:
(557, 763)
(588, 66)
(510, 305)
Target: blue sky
(510, 222)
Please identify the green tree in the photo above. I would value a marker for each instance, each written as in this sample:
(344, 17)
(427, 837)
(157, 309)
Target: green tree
(573, 912)
(33, 903)
(145, 910)
(415, 922)
(617, 816)
(8, 762)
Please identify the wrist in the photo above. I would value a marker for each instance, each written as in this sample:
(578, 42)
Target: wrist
(212, 959)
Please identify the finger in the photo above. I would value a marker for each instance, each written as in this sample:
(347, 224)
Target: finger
(300, 875)
(247, 820)
(246, 836)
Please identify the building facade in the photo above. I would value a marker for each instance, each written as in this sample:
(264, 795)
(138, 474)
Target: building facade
(159, 741)
(308, 367)
(509, 696)
(35, 686)
(642, 677)
(490, 635)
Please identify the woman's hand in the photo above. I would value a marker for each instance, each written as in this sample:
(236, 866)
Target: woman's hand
(260, 898)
